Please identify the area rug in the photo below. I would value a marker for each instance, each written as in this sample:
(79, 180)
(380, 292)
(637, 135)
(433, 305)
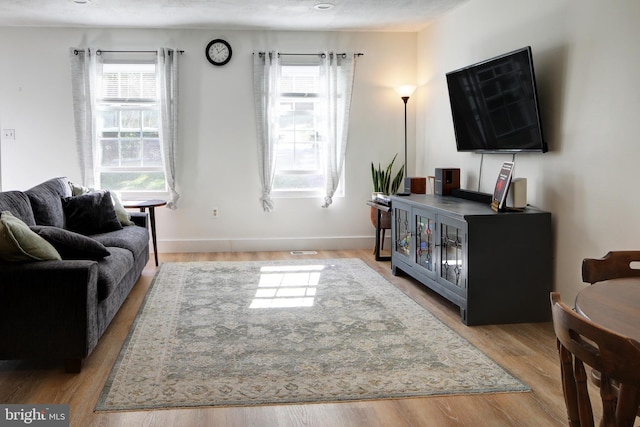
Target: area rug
(272, 332)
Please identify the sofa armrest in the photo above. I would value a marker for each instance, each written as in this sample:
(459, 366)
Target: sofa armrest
(48, 309)
(140, 218)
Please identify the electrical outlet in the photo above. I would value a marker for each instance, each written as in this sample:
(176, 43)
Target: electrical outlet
(8, 134)
(215, 212)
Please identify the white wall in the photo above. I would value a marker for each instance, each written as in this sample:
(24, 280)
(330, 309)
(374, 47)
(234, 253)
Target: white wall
(218, 155)
(586, 62)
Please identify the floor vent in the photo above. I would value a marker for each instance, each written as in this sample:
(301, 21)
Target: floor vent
(304, 253)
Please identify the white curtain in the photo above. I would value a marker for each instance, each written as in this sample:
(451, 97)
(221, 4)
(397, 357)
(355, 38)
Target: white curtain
(266, 69)
(84, 85)
(167, 78)
(337, 71)
(86, 69)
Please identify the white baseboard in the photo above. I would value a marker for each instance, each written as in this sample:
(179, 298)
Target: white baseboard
(274, 244)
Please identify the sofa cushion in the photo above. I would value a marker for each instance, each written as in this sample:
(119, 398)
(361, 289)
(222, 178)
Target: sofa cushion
(111, 271)
(91, 213)
(72, 245)
(134, 238)
(17, 202)
(46, 201)
(19, 244)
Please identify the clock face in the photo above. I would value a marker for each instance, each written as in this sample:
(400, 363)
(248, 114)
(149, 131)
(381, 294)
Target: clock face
(218, 52)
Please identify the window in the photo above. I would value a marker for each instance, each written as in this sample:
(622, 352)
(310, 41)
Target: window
(302, 118)
(300, 147)
(128, 148)
(125, 109)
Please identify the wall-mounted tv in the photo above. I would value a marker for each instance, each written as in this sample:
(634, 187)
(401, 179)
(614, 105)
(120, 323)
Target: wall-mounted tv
(494, 104)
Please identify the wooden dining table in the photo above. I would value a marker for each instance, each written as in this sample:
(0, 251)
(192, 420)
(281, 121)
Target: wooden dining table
(614, 304)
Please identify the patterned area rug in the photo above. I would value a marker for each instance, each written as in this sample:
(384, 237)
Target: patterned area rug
(268, 332)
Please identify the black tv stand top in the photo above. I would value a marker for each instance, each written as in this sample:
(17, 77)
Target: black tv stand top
(459, 208)
(475, 196)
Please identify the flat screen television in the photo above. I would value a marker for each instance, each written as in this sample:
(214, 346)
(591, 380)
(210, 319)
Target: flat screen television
(494, 105)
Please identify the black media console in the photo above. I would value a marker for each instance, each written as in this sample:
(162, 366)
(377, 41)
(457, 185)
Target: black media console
(496, 266)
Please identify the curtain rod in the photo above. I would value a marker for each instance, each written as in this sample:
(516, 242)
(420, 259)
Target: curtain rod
(312, 54)
(99, 51)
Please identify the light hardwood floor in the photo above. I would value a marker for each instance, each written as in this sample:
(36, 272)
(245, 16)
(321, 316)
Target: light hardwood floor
(526, 350)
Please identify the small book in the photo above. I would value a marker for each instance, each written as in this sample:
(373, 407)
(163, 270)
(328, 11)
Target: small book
(498, 203)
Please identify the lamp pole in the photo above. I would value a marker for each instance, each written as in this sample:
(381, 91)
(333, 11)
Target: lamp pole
(405, 99)
(405, 92)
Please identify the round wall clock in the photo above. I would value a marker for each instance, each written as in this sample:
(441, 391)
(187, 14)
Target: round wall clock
(218, 52)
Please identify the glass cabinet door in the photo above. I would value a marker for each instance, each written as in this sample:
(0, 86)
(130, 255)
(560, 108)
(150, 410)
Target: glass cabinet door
(425, 241)
(452, 256)
(402, 243)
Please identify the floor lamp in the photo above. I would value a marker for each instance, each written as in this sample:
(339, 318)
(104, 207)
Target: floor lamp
(405, 93)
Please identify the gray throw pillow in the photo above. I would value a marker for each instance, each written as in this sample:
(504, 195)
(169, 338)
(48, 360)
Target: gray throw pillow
(123, 215)
(91, 213)
(72, 245)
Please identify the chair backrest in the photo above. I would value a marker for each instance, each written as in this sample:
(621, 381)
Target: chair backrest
(614, 265)
(615, 356)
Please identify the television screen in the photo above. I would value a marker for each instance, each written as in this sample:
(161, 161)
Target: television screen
(494, 105)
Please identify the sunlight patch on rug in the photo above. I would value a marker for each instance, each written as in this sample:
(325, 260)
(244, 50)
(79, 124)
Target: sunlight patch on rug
(269, 332)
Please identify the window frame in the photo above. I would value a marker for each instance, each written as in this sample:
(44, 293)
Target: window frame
(120, 104)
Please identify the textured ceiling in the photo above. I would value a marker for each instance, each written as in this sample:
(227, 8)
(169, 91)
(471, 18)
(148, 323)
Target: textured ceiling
(358, 15)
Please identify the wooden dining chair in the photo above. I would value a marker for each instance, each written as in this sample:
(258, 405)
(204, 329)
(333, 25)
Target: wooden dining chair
(617, 357)
(614, 265)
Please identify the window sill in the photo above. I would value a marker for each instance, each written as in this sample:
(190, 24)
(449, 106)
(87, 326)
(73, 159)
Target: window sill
(301, 195)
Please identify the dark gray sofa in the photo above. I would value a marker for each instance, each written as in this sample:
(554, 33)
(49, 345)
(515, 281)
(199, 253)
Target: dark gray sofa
(59, 309)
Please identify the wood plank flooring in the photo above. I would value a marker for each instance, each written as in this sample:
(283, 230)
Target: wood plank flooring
(526, 350)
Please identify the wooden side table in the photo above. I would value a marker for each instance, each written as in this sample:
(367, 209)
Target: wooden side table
(152, 205)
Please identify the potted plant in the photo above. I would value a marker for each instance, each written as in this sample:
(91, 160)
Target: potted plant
(385, 182)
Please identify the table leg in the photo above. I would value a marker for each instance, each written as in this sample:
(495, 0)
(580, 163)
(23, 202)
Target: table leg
(378, 257)
(628, 404)
(152, 220)
(377, 247)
